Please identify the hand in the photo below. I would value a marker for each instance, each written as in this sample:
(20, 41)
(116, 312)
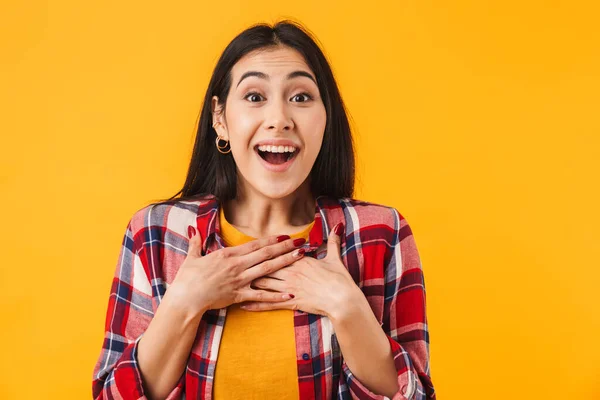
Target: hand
(223, 277)
(322, 286)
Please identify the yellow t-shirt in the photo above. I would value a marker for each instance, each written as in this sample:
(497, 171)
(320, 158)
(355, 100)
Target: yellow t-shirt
(257, 353)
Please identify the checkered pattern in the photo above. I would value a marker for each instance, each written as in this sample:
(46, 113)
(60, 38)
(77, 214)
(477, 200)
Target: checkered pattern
(378, 249)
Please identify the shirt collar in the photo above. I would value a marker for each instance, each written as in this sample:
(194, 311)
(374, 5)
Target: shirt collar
(328, 213)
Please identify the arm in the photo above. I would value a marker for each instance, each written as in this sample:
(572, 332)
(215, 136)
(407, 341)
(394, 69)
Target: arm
(164, 349)
(404, 326)
(365, 346)
(127, 365)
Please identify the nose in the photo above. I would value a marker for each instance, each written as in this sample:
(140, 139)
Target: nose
(278, 118)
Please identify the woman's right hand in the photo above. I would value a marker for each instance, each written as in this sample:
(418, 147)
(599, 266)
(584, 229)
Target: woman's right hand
(223, 277)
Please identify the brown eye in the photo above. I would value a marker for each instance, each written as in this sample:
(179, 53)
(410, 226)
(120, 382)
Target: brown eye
(307, 97)
(253, 95)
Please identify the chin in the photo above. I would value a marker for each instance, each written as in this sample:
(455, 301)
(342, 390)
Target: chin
(277, 190)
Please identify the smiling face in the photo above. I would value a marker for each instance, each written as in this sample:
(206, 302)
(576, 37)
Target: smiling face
(273, 104)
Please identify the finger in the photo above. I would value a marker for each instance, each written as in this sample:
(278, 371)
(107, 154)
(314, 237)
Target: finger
(270, 284)
(262, 296)
(280, 274)
(265, 306)
(195, 243)
(270, 252)
(334, 241)
(269, 266)
(254, 245)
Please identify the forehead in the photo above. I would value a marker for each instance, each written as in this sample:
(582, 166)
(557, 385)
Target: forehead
(272, 61)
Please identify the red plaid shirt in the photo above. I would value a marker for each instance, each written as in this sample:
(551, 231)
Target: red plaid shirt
(378, 249)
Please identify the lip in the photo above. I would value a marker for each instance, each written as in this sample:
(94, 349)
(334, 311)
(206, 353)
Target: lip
(277, 167)
(276, 142)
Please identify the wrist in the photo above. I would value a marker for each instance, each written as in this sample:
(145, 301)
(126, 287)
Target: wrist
(176, 299)
(349, 303)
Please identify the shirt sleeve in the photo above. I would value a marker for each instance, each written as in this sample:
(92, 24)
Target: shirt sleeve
(404, 322)
(116, 374)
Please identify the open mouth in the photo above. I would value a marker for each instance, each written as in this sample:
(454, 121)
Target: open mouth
(277, 156)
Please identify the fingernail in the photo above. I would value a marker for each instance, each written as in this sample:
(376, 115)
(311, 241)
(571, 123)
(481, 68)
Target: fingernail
(282, 238)
(299, 252)
(300, 241)
(339, 229)
(191, 231)
(291, 295)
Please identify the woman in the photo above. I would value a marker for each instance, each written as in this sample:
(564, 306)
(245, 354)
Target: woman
(280, 285)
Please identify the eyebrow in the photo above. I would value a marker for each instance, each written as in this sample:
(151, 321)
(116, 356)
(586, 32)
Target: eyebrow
(262, 75)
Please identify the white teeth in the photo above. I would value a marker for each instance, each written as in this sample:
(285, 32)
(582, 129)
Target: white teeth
(277, 149)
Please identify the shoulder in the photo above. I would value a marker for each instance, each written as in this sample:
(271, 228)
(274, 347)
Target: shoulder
(382, 233)
(383, 223)
(367, 213)
(169, 215)
(377, 221)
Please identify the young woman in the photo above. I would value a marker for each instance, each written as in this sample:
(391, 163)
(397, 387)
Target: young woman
(265, 278)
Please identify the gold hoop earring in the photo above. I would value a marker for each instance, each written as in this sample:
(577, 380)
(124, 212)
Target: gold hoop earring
(221, 148)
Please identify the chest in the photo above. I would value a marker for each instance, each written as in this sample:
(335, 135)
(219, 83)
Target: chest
(309, 338)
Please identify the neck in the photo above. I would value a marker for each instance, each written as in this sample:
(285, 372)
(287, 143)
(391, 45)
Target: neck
(259, 216)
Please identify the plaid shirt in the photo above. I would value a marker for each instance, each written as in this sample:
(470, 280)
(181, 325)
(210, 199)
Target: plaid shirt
(378, 249)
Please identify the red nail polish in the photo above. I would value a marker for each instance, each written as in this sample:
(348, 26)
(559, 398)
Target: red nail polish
(282, 238)
(299, 241)
(291, 295)
(339, 229)
(191, 231)
(301, 252)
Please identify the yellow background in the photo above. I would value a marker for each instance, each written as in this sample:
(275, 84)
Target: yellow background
(478, 120)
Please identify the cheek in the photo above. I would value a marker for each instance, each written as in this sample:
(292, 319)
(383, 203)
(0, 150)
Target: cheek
(317, 119)
(315, 128)
(244, 124)
(241, 125)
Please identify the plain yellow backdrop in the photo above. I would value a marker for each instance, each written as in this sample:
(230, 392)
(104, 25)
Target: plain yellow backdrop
(478, 120)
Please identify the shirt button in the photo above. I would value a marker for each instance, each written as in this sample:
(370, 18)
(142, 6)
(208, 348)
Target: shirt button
(305, 357)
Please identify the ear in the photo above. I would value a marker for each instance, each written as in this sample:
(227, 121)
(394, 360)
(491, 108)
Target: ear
(218, 119)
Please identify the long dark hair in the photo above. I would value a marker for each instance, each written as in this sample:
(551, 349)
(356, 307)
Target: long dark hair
(213, 173)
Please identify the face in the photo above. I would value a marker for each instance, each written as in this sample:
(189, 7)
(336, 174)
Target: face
(274, 120)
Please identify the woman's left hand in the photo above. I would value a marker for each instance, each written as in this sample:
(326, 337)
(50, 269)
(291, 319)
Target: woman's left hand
(322, 286)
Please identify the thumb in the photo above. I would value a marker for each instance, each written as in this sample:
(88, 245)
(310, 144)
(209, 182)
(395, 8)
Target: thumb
(334, 241)
(195, 244)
